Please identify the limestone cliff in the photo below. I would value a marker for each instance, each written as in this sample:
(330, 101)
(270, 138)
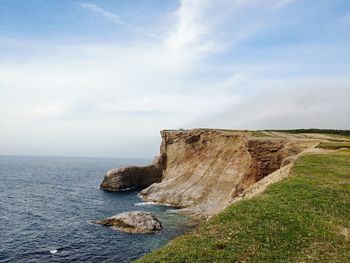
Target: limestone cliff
(203, 170)
(206, 169)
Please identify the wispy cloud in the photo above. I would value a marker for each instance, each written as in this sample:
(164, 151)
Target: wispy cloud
(113, 17)
(116, 19)
(204, 26)
(214, 26)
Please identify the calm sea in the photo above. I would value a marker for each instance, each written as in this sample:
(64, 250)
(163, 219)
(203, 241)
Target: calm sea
(46, 204)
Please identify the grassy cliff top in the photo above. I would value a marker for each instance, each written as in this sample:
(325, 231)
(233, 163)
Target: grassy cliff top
(267, 132)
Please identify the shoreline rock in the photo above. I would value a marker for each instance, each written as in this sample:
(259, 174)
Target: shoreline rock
(133, 222)
(134, 177)
(131, 177)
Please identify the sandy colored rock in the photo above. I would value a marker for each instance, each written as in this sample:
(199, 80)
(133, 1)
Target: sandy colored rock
(133, 222)
(206, 169)
(132, 177)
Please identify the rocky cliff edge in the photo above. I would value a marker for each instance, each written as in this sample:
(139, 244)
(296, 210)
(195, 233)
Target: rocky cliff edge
(204, 170)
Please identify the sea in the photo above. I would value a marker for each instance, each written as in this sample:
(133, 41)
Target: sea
(47, 204)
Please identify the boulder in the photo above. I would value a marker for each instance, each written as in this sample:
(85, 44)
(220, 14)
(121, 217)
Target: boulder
(132, 177)
(133, 222)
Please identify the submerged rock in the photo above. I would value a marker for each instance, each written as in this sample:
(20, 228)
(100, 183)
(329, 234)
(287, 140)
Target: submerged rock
(133, 222)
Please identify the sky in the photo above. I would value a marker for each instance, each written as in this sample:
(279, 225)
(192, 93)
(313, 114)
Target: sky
(102, 78)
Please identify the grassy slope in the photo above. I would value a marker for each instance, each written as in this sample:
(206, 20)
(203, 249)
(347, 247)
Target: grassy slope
(319, 131)
(334, 145)
(305, 218)
(344, 133)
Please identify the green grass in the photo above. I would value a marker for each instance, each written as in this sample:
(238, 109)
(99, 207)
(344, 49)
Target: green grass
(305, 218)
(345, 133)
(334, 145)
(259, 134)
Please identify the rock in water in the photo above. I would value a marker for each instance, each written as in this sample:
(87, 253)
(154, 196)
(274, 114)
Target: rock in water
(133, 177)
(133, 222)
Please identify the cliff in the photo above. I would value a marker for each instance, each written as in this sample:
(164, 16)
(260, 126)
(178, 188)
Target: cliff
(204, 170)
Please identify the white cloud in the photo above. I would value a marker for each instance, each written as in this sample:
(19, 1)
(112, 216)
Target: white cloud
(206, 26)
(192, 28)
(99, 93)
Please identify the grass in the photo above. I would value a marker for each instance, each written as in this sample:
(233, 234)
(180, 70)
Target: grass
(345, 133)
(259, 134)
(304, 218)
(334, 145)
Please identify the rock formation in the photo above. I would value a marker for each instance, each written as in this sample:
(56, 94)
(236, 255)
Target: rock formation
(203, 170)
(206, 169)
(133, 222)
(133, 177)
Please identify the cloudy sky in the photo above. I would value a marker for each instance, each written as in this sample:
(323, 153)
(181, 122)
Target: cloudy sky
(101, 78)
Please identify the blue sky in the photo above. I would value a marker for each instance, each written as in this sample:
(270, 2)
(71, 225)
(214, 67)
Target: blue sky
(101, 78)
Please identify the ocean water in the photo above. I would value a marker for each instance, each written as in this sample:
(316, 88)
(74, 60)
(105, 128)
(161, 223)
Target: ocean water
(46, 204)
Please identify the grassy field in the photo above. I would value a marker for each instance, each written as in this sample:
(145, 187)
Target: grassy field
(305, 218)
(345, 133)
(261, 133)
(334, 145)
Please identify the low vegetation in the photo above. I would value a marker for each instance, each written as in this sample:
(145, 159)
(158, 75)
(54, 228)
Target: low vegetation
(334, 145)
(319, 131)
(260, 134)
(305, 218)
(267, 133)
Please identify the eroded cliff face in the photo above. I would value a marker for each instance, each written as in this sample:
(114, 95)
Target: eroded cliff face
(206, 169)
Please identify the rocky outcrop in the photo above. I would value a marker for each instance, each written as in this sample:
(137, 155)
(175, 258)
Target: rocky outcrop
(133, 222)
(133, 177)
(206, 169)
(203, 169)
